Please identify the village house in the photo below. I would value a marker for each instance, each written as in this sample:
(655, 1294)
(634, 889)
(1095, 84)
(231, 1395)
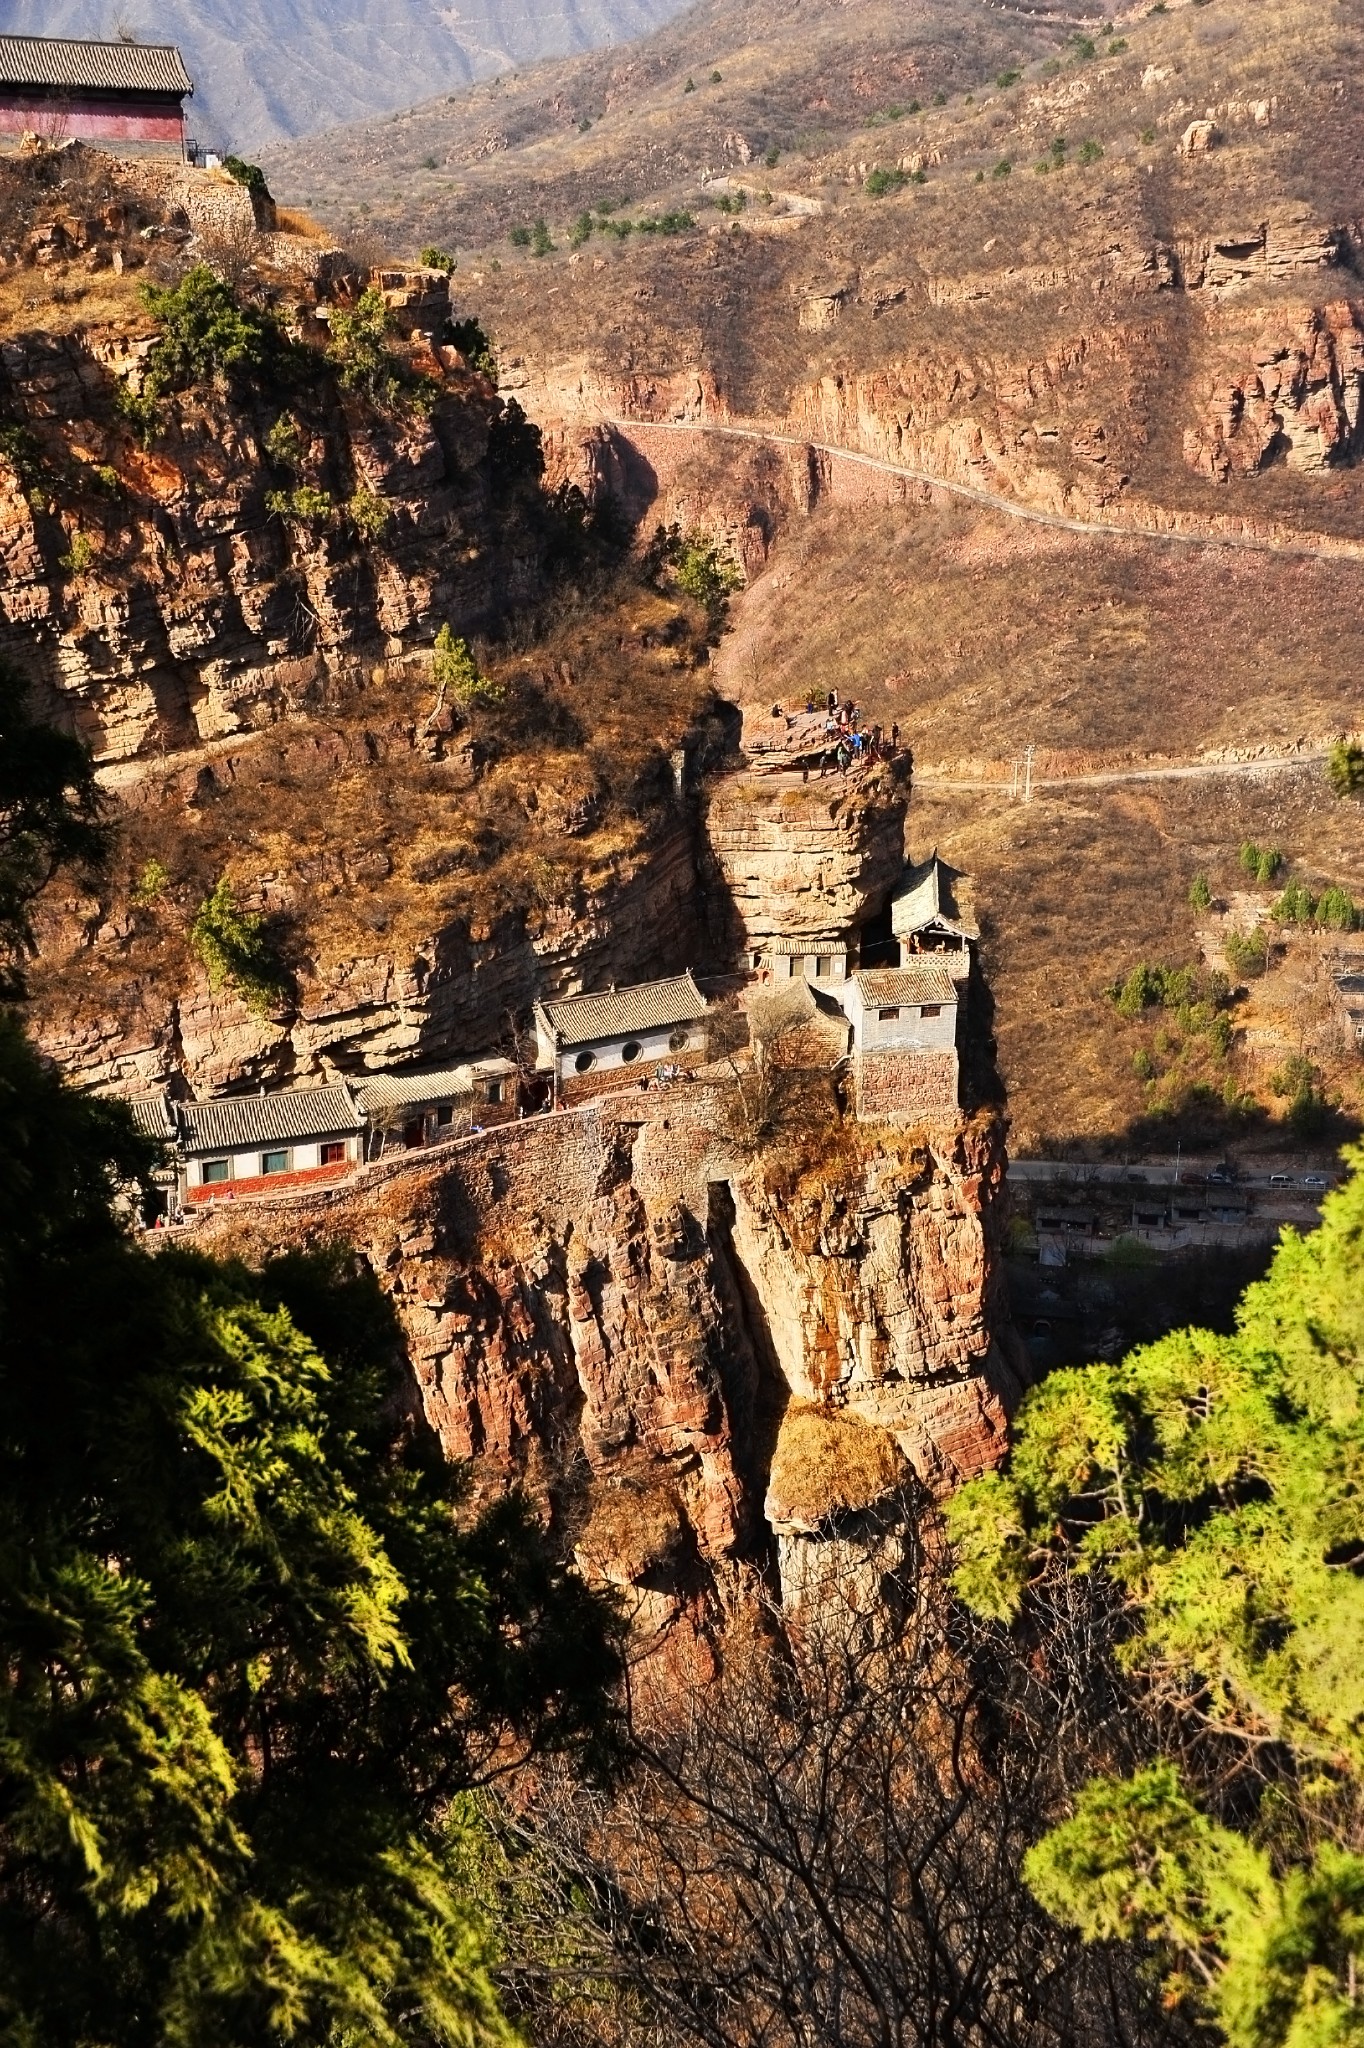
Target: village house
(817, 959)
(408, 1109)
(125, 96)
(593, 1041)
(259, 1144)
(902, 1028)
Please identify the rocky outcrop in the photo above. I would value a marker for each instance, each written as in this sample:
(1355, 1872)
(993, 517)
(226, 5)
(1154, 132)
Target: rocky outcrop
(634, 1316)
(208, 584)
(450, 996)
(1298, 400)
(793, 857)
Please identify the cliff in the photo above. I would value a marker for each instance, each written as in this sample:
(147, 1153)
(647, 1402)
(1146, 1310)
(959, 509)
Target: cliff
(629, 1312)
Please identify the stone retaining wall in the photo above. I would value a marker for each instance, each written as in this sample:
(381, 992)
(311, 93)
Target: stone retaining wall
(909, 1085)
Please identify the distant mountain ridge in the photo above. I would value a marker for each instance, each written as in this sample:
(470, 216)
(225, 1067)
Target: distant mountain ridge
(264, 70)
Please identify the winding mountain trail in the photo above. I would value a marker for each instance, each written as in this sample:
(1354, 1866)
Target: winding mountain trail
(1323, 547)
(1187, 771)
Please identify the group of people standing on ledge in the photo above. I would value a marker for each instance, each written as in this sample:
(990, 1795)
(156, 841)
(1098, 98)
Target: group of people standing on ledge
(846, 745)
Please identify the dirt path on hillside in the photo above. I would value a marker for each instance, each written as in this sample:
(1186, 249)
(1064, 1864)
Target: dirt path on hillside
(1322, 548)
(1190, 771)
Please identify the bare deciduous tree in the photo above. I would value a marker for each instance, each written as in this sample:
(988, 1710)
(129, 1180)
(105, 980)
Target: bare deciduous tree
(823, 1847)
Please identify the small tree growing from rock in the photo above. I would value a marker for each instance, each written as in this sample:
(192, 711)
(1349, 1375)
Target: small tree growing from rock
(456, 674)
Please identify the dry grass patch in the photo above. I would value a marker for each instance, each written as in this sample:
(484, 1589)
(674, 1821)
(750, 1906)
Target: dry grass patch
(827, 1464)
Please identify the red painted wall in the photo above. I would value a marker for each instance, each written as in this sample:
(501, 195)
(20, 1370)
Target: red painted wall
(257, 1184)
(92, 120)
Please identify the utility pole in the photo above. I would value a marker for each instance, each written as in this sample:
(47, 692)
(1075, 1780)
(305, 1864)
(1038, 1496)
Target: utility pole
(1027, 774)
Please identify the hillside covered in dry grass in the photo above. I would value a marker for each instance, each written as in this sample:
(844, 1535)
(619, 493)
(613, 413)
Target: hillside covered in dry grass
(1108, 272)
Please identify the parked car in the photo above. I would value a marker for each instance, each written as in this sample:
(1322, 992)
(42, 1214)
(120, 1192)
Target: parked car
(1281, 1180)
(1222, 1175)
(1316, 1180)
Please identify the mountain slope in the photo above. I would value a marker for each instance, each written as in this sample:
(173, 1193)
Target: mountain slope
(722, 84)
(270, 68)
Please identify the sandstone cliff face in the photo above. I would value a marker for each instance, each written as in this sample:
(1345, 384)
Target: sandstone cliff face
(157, 599)
(1298, 399)
(451, 997)
(618, 1308)
(793, 858)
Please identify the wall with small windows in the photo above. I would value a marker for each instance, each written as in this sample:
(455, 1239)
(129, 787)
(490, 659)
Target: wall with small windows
(910, 1025)
(645, 1050)
(220, 1176)
(618, 1063)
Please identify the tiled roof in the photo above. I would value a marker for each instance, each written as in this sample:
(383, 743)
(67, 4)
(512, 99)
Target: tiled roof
(97, 67)
(153, 1116)
(433, 1084)
(237, 1122)
(799, 948)
(924, 980)
(653, 1006)
(928, 895)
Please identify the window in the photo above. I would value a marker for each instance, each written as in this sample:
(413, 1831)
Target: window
(678, 1040)
(887, 1016)
(492, 1091)
(823, 964)
(631, 1050)
(332, 1153)
(215, 1170)
(931, 1010)
(445, 1114)
(274, 1162)
(584, 1061)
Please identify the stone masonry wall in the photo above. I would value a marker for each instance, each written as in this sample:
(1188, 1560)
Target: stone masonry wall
(907, 1085)
(213, 202)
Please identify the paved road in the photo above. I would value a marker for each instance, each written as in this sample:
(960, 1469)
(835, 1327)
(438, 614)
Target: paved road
(1059, 1172)
(1324, 548)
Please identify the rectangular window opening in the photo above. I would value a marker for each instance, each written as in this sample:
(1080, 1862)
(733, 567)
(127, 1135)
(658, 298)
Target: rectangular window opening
(931, 1010)
(274, 1162)
(445, 1114)
(214, 1170)
(887, 1016)
(333, 1153)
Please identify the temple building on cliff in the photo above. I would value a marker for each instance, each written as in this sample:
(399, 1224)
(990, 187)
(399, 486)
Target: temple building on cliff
(591, 1042)
(125, 96)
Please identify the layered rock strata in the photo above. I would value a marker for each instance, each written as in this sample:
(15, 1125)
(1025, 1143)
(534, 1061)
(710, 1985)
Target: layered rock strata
(793, 857)
(620, 1306)
(166, 596)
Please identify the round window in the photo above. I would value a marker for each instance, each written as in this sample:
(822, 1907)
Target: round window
(631, 1050)
(678, 1040)
(584, 1061)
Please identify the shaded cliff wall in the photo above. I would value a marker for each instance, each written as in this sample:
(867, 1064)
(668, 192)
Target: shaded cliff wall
(619, 1306)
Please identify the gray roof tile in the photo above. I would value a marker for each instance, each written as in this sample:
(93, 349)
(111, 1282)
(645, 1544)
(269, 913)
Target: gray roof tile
(921, 980)
(237, 1122)
(434, 1084)
(93, 67)
(653, 1006)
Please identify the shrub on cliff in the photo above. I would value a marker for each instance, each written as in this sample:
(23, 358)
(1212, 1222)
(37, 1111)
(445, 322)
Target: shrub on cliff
(1211, 1483)
(357, 344)
(456, 674)
(473, 344)
(254, 1649)
(1345, 768)
(235, 949)
(204, 332)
